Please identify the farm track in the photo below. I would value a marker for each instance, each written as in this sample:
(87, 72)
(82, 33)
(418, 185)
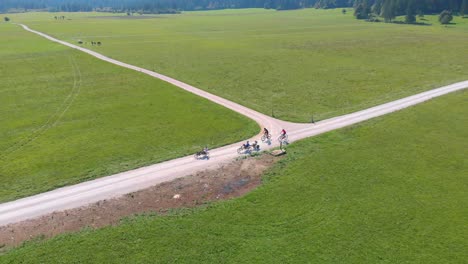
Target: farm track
(126, 182)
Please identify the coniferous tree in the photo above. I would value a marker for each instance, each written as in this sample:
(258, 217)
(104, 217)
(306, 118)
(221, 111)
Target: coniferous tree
(410, 17)
(377, 7)
(358, 11)
(464, 8)
(388, 11)
(453, 5)
(362, 9)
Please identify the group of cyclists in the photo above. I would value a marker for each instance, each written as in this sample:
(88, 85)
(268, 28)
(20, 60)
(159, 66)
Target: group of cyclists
(248, 146)
(255, 146)
(266, 134)
(265, 138)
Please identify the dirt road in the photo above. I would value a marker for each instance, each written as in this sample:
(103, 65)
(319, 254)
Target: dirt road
(131, 181)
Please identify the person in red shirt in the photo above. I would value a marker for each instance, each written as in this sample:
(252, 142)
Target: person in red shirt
(283, 133)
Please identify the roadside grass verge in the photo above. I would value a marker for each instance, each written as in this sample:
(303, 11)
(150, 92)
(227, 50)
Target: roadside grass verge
(66, 117)
(389, 190)
(293, 65)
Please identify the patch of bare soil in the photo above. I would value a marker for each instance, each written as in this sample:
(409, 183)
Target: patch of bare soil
(230, 180)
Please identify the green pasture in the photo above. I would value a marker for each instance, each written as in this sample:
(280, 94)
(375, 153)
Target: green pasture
(67, 117)
(294, 65)
(390, 190)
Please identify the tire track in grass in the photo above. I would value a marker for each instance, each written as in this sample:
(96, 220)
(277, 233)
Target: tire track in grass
(54, 118)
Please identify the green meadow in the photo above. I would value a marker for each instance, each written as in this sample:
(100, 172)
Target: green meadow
(390, 190)
(66, 117)
(293, 65)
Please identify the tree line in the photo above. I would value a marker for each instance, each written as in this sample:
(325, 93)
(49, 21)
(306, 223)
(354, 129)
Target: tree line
(158, 6)
(365, 7)
(389, 9)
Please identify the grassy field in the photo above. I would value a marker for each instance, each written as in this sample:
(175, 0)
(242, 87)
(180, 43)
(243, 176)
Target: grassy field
(292, 64)
(390, 190)
(66, 117)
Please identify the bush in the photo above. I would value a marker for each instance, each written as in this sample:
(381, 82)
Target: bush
(373, 18)
(6, 19)
(410, 18)
(445, 17)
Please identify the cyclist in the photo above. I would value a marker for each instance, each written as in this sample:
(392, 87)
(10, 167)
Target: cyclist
(247, 145)
(266, 132)
(256, 146)
(205, 151)
(282, 136)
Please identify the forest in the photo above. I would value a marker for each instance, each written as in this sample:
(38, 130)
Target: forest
(363, 7)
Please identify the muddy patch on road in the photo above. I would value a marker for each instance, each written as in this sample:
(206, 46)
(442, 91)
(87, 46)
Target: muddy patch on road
(229, 180)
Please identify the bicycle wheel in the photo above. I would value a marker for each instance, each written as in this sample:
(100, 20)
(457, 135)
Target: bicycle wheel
(240, 150)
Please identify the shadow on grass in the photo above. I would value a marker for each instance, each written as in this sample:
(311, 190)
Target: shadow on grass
(401, 22)
(414, 24)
